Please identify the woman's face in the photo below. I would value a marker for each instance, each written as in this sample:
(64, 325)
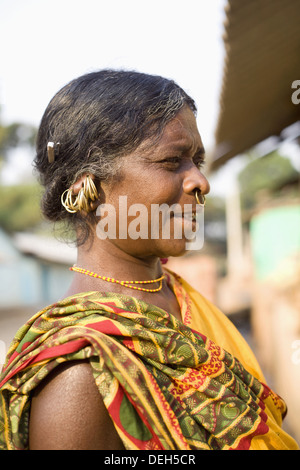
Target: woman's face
(165, 172)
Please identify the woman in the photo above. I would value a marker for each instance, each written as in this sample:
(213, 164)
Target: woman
(133, 357)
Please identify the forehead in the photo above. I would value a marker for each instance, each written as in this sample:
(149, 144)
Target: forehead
(182, 131)
(180, 134)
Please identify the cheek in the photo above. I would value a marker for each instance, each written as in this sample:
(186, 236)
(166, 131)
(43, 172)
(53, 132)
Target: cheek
(165, 189)
(137, 193)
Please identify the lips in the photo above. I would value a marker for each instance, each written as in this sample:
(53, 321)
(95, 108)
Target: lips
(190, 215)
(187, 215)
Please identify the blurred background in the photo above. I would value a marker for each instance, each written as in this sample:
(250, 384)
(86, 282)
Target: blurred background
(240, 61)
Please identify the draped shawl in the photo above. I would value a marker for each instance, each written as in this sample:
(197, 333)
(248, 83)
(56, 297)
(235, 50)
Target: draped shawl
(164, 384)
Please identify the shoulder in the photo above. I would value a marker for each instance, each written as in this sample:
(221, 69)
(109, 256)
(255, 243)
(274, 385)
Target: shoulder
(67, 412)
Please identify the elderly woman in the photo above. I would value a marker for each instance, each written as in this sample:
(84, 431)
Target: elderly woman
(132, 357)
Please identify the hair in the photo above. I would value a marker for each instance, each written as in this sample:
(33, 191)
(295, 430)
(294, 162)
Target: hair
(97, 119)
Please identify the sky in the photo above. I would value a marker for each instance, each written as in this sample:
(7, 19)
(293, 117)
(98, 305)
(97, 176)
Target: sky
(47, 43)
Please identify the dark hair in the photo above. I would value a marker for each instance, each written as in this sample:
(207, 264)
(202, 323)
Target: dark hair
(97, 118)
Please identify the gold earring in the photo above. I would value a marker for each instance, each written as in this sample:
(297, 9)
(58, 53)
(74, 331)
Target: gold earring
(67, 201)
(80, 202)
(90, 188)
(200, 198)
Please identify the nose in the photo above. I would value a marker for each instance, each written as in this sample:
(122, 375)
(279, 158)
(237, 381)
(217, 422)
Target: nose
(193, 180)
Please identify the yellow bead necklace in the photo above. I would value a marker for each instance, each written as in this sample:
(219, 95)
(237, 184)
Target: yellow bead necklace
(122, 283)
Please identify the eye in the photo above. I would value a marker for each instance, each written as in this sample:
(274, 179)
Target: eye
(172, 162)
(199, 162)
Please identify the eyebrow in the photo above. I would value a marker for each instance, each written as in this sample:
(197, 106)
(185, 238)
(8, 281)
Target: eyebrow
(200, 152)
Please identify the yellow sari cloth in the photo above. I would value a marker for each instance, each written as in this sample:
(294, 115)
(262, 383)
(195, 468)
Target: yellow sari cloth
(206, 318)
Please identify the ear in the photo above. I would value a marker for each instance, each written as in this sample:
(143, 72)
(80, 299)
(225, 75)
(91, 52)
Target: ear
(79, 183)
(94, 204)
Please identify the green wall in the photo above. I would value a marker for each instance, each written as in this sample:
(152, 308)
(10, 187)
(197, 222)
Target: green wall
(275, 236)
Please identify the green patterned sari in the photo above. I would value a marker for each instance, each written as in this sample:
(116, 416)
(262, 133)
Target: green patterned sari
(165, 385)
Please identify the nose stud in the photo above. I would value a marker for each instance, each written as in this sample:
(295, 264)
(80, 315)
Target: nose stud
(200, 198)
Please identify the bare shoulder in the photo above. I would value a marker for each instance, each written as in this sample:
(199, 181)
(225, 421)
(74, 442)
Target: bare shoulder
(67, 412)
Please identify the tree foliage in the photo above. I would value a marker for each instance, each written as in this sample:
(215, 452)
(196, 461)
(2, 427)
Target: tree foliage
(15, 135)
(20, 207)
(265, 175)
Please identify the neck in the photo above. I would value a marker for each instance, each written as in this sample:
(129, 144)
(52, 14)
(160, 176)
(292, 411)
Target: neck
(114, 262)
(106, 259)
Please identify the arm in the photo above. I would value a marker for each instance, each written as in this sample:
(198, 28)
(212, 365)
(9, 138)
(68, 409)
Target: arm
(67, 412)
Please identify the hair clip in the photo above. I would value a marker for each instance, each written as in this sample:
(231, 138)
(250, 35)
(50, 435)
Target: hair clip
(51, 151)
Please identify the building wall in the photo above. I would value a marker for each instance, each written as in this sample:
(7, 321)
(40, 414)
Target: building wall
(275, 234)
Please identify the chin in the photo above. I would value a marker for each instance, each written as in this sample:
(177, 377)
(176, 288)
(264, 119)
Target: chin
(172, 248)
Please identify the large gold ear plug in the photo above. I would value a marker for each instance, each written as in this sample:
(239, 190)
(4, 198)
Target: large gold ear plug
(82, 202)
(200, 198)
